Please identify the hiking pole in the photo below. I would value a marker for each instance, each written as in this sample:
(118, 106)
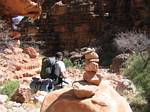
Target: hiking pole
(65, 81)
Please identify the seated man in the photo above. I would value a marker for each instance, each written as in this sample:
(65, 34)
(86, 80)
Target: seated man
(59, 67)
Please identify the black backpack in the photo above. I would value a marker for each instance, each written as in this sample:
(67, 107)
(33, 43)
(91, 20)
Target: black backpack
(48, 68)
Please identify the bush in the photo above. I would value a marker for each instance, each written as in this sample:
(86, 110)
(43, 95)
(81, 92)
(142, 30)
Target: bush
(9, 88)
(68, 62)
(137, 69)
(131, 41)
(139, 103)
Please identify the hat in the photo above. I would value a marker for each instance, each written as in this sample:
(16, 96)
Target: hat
(92, 57)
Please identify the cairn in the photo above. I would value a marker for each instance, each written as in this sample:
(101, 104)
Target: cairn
(91, 78)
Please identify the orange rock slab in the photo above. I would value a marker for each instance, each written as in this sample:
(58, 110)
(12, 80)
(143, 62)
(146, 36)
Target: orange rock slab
(19, 7)
(106, 99)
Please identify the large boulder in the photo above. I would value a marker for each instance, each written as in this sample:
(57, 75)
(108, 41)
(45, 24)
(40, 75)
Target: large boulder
(106, 99)
(19, 7)
(118, 61)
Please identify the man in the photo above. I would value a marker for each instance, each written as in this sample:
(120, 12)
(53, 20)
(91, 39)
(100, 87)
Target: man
(52, 68)
(60, 68)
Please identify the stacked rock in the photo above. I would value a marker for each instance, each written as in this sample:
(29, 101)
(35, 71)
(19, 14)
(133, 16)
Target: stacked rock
(91, 67)
(91, 78)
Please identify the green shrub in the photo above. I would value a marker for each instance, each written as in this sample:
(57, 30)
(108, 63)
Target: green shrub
(9, 88)
(139, 103)
(137, 69)
(68, 62)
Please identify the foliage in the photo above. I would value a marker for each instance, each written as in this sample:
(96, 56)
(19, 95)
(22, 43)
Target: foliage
(131, 41)
(137, 69)
(138, 103)
(138, 72)
(68, 62)
(9, 88)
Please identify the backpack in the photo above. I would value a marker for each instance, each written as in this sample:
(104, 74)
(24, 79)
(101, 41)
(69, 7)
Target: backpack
(48, 68)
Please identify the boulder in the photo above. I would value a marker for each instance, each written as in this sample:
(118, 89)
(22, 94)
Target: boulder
(106, 99)
(19, 7)
(22, 95)
(118, 61)
(31, 52)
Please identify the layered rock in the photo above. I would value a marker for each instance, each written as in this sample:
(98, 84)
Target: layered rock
(75, 24)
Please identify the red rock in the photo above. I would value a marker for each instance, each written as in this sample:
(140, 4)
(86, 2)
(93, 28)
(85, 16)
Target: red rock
(18, 67)
(92, 77)
(106, 99)
(23, 94)
(20, 7)
(15, 34)
(31, 52)
(92, 67)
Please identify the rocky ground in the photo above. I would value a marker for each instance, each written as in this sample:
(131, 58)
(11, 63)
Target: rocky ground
(23, 64)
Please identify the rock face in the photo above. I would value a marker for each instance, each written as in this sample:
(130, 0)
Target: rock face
(70, 24)
(106, 99)
(19, 7)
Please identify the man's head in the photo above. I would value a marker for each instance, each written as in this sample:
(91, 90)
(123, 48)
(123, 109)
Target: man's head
(59, 56)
